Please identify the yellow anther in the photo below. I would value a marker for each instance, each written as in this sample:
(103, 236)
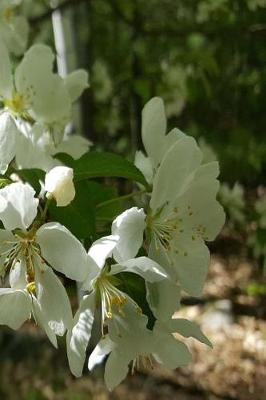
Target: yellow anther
(7, 14)
(16, 103)
(31, 288)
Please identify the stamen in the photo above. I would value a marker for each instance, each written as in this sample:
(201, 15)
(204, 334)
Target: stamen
(142, 362)
(110, 296)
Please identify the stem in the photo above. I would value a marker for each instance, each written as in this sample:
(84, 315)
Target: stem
(124, 197)
(43, 216)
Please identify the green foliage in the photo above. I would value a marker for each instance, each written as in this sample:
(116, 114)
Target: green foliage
(256, 289)
(208, 64)
(82, 216)
(233, 202)
(79, 215)
(33, 177)
(99, 164)
(134, 286)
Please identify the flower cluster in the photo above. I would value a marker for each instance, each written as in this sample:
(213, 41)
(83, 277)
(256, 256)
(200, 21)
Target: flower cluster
(171, 228)
(134, 276)
(37, 105)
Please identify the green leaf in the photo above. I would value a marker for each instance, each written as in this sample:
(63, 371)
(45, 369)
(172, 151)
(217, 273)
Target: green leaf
(79, 215)
(65, 159)
(135, 287)
(100, 165)
(100, 193)
(33, 177)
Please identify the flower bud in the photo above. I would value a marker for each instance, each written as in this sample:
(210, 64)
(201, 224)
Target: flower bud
(59, 185)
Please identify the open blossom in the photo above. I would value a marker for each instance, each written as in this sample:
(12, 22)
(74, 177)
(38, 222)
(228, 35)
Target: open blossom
(26, 99)
(59, 185)
(35, 92)
(41, 295)
(103, 285)
(183, 211)
(130, 341)
(183, 214)
(30, 252)
(14, 28)
(40, 103)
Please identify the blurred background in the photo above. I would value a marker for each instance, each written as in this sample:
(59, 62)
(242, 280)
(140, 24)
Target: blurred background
(207, 60)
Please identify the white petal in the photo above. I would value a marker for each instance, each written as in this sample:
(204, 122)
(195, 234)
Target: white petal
(59, 184)
(37, 63)
(42, 322)
(75, 146)
(79, 335)
(63, 251)
(153, 129)
(144, 164)
(174, 173)
(188, 328)
(17, 276)
(76, 82)
(98, 253)
(43, 89)
(104, 347)
(128, 330)
(188, 265)
(170, 139)
(30, 155)
(15, 307)
(7, 241)
(16, 34)
(53, 301)
(8, 135)
(204, 213)
(18, 206)
(129, 226)
(169, 351)
(116, 369)
(143, 266)
(103, 248)
(93, 272)
(6, 83)
(191, 264)
(163, 298)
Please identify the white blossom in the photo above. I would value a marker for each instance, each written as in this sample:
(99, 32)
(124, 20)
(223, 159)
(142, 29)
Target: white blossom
(183, 211)
(36, 94)
(130, 341)
(102, 282)
(14, 28)
(44, 297)
(59, 185)
(51, 242)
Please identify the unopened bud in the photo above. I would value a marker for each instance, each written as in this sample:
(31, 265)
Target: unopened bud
(59, 185)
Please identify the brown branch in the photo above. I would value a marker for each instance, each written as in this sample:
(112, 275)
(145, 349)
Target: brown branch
(47, 14)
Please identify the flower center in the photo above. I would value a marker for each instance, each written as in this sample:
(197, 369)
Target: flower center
(110, 296)
(16, 104)
(31, 288)
(23, 248)
(7, 14)
(142, 362)
(164, 230)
